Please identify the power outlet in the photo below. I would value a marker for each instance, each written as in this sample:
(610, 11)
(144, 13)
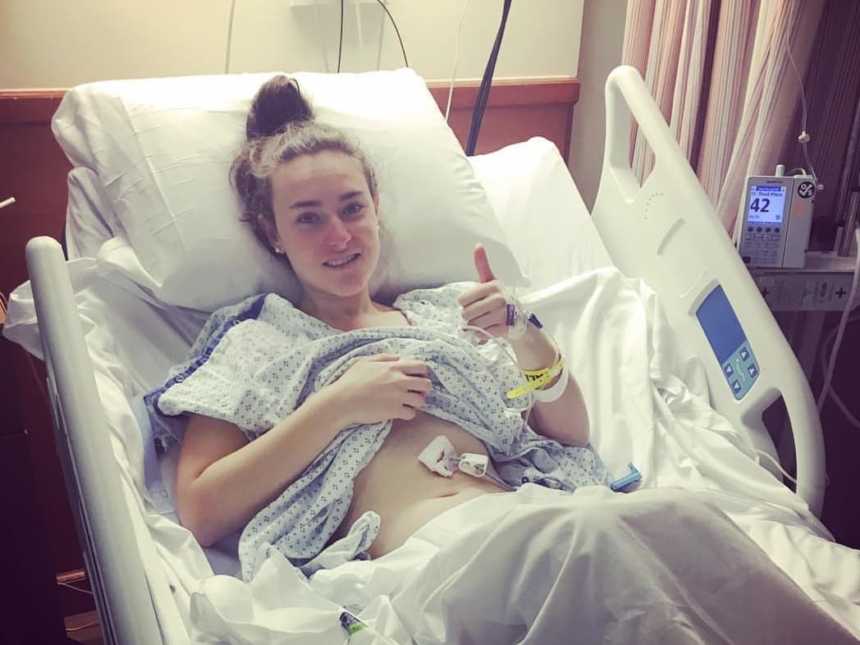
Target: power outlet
(824, 284)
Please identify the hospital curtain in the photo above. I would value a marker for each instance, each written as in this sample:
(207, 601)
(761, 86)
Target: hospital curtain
(721, 73)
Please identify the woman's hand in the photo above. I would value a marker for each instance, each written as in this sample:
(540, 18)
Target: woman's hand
(381, 387)
(485, 306)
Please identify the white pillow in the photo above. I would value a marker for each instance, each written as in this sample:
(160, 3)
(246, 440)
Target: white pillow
(541, 211)
(162, 149)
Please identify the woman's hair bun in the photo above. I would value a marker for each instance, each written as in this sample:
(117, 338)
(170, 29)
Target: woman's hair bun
(278, 103)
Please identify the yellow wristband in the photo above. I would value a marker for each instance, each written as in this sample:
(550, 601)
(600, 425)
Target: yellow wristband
(537, 379)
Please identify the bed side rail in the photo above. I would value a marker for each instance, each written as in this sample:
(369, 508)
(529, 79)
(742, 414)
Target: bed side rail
(92, 475)
(666, 232)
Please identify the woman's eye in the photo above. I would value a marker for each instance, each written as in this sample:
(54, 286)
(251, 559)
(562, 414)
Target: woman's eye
(353, 210)
(307, 218)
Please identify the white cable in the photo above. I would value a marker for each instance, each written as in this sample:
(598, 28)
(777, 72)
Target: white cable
(843, 321)
(74, 588)
(776, 463)
(7, 202)
(456, 58)
(852, 420)
(526, 411)
(229, 37)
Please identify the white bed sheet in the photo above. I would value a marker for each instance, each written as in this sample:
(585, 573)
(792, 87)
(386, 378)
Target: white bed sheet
(647, 401)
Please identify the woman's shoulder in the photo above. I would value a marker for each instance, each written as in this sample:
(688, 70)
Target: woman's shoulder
(255, 307)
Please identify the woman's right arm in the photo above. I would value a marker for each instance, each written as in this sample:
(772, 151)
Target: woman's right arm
(222, 480)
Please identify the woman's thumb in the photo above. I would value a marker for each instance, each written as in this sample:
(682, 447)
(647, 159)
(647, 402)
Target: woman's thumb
(482, 264)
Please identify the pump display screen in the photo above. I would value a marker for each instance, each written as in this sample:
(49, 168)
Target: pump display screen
(766, 204)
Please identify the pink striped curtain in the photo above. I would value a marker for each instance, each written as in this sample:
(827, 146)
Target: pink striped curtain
(729, 58)
(667, 42)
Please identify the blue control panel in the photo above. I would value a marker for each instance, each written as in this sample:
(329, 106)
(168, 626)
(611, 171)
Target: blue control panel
(730, 344)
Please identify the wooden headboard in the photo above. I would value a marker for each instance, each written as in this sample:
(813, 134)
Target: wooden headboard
(33, 169)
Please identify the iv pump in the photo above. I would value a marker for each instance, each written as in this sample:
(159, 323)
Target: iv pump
(776, 220)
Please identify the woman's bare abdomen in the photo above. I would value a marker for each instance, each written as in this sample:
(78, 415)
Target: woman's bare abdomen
(406, 494)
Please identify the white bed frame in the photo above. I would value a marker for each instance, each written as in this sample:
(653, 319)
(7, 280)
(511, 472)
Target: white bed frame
(669, 218)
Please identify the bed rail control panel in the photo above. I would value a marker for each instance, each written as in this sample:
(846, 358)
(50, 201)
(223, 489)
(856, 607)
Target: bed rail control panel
(731, 346)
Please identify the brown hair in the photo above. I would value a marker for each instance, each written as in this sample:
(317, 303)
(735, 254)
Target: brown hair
(281, 127)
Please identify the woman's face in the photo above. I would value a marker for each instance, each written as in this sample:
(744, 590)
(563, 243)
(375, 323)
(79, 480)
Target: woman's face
(326, 221)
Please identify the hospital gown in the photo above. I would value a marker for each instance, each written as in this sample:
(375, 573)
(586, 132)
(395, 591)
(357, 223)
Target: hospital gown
(255, 362)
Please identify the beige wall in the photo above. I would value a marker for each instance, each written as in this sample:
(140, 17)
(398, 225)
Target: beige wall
(600, 52)
(60, 43)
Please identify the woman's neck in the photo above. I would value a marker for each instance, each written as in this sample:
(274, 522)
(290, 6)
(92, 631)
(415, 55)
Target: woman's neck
(341, 312)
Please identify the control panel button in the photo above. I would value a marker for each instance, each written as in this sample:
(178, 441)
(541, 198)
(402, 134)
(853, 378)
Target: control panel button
(753, 370)
(744, 354)
(736, 386)
(728, 369)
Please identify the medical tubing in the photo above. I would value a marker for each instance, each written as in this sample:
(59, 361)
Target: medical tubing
(854, 421)
(804, 137)
(762, 453)
(843, 322)
(506, 348)
(486, 83)
(456, 60)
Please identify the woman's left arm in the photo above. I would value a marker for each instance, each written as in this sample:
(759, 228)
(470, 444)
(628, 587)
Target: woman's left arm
(566, 418)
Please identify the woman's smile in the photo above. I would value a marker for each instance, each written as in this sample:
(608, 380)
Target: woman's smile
(342, 262)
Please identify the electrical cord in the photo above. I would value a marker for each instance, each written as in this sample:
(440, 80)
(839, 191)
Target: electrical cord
(456, 59)
(229, 37)
(486, 83)
(396, 30)
(340, 40)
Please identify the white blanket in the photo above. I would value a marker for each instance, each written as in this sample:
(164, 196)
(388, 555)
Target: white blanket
(647, 406)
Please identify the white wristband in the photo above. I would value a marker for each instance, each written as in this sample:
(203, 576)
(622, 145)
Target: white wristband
(553, 393)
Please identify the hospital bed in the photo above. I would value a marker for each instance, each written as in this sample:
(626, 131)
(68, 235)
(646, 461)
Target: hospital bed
(663, 232)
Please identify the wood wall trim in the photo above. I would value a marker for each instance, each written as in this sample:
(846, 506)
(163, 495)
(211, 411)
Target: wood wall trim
(516, 110)
(21, 107)
(509, 92)
(38, 105)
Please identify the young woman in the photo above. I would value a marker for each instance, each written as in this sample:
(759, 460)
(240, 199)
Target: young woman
(311, 196)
